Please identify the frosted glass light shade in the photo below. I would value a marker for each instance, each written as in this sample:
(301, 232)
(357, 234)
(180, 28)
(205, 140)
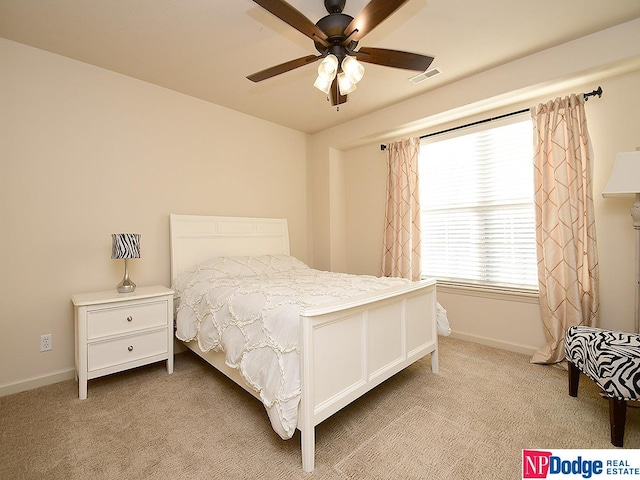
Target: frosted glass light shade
(625, 177)
(328, 67)
(353, 69)
(346, 86)
(323, 84)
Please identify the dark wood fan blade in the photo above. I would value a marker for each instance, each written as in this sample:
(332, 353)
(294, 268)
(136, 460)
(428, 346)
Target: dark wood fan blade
(394, 58)
(293, 17)
(336, 97)
(374, 13)
(283, 67)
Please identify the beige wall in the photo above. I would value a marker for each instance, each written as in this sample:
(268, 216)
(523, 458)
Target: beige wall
(85, 153)
(611, 59)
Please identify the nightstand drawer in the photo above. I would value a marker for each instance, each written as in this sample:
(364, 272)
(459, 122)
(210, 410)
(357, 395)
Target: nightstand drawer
(125, 319)
(127, 349)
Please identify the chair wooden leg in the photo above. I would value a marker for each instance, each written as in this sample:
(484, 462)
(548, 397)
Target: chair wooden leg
(574, 378)
(617, 418)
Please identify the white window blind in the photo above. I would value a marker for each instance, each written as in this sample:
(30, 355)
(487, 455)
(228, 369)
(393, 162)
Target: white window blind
(477, 211)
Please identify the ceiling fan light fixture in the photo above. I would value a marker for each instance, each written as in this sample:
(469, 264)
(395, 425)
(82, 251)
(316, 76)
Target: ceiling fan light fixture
(353, 69)
(323, 84)
(345, 84)
(336, 36)
(328, 67)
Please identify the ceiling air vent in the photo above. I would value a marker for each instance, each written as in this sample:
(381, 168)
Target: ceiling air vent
(421, 77)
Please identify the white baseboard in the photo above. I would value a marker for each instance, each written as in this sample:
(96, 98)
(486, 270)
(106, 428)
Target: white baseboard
(63, 375)
(31, 383)
(492, 342)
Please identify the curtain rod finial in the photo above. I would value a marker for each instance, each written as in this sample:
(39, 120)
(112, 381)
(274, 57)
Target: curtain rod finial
(597, 92)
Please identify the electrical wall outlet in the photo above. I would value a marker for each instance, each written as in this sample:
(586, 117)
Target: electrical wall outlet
(46, 342)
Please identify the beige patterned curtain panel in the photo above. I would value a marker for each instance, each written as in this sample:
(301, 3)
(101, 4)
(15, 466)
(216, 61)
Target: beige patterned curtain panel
(401, 256)
(565, 223)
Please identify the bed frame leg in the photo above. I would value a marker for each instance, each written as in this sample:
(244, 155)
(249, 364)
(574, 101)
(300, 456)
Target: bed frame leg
(308, 444)
(434, 361)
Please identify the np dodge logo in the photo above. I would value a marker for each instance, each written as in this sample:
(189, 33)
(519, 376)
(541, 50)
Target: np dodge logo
(579, 464)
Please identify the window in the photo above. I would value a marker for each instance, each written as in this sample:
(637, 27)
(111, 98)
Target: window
(477, 211)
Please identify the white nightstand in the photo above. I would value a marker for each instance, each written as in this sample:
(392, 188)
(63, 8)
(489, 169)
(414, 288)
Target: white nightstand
(117, 331)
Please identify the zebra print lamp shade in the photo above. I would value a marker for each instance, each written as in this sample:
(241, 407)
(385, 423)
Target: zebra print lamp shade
(126, 246)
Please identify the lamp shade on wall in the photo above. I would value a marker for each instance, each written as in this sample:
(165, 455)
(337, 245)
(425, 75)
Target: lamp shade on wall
(625, 180)
(625, 177)
(125, 246)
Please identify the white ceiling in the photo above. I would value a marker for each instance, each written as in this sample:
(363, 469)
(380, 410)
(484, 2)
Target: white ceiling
(206, 48)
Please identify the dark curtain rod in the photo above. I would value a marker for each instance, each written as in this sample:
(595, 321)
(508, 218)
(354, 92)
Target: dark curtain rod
(593, 93)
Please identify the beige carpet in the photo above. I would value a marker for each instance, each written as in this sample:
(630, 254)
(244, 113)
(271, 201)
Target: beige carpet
(469, 422)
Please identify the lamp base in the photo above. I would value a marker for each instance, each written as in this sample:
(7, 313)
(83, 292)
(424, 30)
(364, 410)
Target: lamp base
(126, 286)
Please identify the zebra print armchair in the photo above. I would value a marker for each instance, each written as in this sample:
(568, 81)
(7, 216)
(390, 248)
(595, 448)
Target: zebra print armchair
(612, 360)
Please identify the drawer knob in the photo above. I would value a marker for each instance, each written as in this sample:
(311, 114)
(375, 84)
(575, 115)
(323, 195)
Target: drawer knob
(130, 348)
(129, 318)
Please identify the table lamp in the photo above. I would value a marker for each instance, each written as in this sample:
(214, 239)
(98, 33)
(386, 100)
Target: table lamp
(126, 245)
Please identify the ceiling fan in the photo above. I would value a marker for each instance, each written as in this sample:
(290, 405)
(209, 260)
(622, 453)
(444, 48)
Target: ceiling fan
(336, 37)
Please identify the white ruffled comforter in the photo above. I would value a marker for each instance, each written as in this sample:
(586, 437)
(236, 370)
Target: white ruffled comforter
(249, 307)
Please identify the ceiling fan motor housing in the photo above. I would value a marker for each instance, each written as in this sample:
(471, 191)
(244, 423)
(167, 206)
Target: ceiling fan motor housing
(334, 26)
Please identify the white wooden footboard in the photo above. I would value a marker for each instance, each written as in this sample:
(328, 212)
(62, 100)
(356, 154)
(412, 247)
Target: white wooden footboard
(349, 347)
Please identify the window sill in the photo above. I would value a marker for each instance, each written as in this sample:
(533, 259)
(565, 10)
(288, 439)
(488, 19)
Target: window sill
(488, 292)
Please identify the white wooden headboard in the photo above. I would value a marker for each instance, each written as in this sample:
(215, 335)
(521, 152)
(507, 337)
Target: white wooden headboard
(196, 238)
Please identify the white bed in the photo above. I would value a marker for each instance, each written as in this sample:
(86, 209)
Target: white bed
(346, 347)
